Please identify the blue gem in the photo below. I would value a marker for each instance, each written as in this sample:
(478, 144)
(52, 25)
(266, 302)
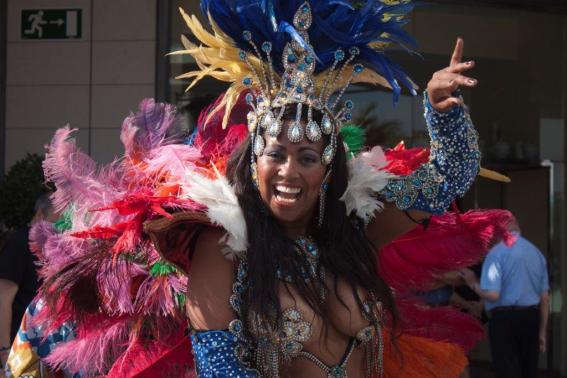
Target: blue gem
(288, 84)
(299, 90)
(247, 81)
(305, 8)
(242, 55)
(339, 55)
(247, 35)
(349, 104)
(348, 116)
(266, 47)
(354, 50)
(358, 68)
(308, 59)
(302, 67)
(301, 24)
(249, 98)
(291, 58)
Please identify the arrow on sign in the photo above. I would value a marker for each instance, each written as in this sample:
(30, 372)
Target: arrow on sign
(58, 22)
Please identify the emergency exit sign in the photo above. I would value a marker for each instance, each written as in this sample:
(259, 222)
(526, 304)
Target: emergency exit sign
(51, 23)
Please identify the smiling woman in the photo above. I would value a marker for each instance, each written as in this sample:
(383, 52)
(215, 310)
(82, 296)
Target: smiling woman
(294, 205)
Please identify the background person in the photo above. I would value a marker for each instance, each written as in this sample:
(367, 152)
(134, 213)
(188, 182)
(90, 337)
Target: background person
(515, 286)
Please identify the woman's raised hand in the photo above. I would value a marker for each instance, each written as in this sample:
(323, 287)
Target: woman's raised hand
(443, 86)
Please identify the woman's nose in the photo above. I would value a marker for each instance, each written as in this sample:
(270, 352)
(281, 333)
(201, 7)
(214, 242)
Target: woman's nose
(289, 169)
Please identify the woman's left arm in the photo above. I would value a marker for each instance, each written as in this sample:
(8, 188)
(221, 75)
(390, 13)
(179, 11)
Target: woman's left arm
(454, 158)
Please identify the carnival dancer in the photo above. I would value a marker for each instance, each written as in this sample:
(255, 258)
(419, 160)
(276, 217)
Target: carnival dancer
(263, 230)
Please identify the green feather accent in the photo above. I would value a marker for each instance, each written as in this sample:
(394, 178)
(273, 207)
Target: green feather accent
(162, 268)
(65, 222)
(354, 137)
(180, 300)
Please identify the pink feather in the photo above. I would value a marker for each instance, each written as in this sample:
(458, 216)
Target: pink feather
(75, 175)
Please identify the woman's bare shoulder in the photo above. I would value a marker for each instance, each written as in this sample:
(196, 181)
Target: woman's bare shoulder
(210, 283)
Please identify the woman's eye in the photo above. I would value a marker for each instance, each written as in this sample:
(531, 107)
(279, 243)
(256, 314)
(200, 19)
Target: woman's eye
(275, 155)
(309, 159)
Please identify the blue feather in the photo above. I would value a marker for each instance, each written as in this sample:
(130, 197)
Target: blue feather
(336, 24)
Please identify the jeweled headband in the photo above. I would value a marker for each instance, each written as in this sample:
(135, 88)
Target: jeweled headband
(296, 88)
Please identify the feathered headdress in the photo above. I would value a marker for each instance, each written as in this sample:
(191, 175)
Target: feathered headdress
(372, 27)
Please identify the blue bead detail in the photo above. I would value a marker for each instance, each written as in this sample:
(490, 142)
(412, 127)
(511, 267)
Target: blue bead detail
(354, 50)
(247, 81)
(358, 68)
(291, 58)
(305, 8)
(349, 104)
(249, 98)
(339, 55)
(242, 55)
(308, 59)
(348, 116)
(299, 90)
(215, 355)
(302, 67)
(267, 47)
(247, 35)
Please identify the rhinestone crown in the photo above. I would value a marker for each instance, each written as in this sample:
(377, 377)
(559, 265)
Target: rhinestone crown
(269, 99)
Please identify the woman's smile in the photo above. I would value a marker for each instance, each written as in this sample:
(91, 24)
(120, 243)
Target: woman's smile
(287, 195)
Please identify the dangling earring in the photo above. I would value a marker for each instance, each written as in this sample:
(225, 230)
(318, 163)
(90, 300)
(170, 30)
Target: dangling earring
(322, 197)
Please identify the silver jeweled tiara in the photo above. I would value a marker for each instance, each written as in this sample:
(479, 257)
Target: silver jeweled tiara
(270, 99)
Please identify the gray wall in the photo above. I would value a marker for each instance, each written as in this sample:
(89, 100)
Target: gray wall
(91, 83)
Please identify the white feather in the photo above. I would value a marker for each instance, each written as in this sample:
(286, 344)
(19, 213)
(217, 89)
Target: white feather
(222, 205)
(367, 177)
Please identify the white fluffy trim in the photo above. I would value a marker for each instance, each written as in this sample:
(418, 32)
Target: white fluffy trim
(366, 178)
(222, 207)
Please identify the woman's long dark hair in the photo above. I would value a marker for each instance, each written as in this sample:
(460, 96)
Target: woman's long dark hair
(345, 251)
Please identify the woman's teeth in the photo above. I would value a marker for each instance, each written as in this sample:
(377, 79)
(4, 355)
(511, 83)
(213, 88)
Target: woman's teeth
(287, 189)
(287, 194)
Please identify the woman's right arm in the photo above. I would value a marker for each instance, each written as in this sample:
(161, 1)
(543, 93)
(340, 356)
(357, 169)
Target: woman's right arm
(210, 284)
(209, 288)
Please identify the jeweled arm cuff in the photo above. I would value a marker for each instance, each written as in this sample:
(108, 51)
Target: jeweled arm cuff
(453, 164)
(216, 355)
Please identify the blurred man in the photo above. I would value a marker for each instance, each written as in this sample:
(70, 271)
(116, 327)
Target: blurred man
(18, 279)
(515, 286)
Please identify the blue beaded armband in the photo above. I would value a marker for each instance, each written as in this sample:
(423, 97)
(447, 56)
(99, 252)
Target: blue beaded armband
(215, 355)
(453, 164)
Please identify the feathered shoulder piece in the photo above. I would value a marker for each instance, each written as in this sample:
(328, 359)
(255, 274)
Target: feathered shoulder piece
(238, 27)
(100, 271)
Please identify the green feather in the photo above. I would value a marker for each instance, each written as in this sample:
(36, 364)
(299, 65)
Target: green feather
(354, 137)
(162, 268)
(65, 222)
